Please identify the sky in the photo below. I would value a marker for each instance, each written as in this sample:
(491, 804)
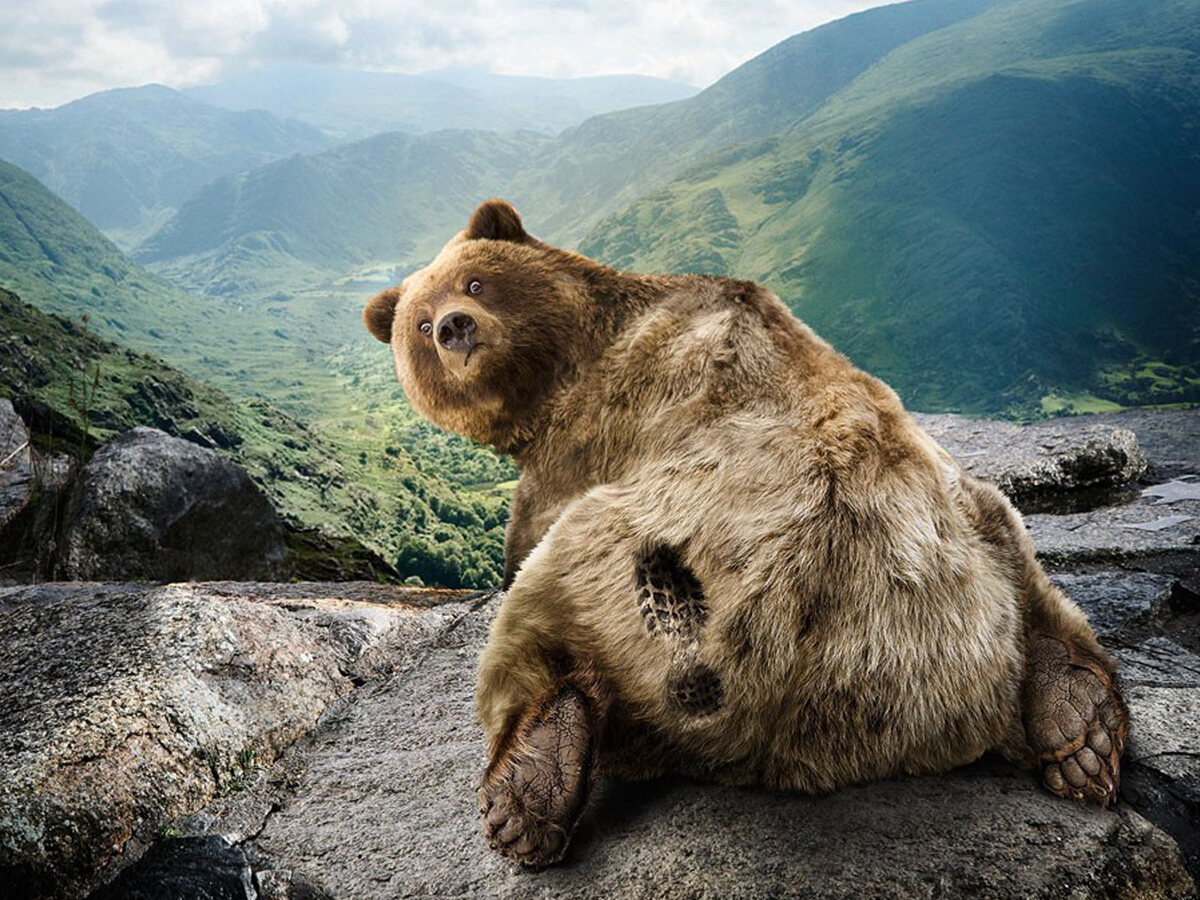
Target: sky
(54, 51)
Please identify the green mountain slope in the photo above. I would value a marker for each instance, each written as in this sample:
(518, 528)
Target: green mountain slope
(999, 216)
(329, 436)
(352, 104)
(77, 390)
(391, 200)
(609, 161)
(54, 257)
(128, 158)
(380, 203)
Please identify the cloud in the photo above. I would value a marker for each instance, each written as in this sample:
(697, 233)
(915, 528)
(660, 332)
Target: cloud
(55, 50)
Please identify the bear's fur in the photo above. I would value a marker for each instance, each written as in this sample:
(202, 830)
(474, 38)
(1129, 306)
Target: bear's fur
(731, 553)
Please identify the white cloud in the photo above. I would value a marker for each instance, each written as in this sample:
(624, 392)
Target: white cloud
(55, 50)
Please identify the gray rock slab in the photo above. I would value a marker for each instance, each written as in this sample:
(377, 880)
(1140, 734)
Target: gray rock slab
(1159, 662)
(1115, 600)
(155, 507)
(383, 805)
(1139, 528)
(124, 707)
(1161, 681)
(1029, 461)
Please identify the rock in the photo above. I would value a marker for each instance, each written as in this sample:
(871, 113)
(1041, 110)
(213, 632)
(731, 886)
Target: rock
(201, 868)
(149, 506)
(136, 705)
(1115, 600)
(1170, 438)
(16, 464)
(382, 804)
(31, 485)
(1137, 528)
(122, 707)
(1161, 663)
(1072, 477)
(1034, 463)
(1162, 764)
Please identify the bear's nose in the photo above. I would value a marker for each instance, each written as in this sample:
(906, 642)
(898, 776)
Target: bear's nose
(456, 332)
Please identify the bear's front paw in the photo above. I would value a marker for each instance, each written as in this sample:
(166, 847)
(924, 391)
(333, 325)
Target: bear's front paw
(535, 789)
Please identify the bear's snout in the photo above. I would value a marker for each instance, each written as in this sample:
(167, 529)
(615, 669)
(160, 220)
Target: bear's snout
(456, 332)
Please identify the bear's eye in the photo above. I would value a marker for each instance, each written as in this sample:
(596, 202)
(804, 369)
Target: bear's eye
(474, 287)
(426, 328)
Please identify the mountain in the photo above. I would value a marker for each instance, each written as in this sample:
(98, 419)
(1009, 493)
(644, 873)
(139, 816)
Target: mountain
(989, 204)
(352, 104)
(609, 161)
(127, 158)
(382, 202)
(317, 421)
(369, 204)
(998, 216)
(568, 100)
(53, 256)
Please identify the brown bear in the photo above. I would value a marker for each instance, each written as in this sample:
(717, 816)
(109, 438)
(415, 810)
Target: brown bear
(731, 554)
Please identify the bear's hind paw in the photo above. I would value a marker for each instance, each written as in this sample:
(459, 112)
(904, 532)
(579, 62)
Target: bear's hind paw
(534, 791)
(1076, 722)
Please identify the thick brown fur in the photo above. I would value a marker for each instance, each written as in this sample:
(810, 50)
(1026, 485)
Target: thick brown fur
(771, 574)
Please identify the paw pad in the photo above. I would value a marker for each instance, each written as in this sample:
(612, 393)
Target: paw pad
(697, 690)
(670, 597)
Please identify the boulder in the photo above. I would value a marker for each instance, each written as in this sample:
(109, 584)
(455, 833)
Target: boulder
(149, 506)
(1170, 438)
(16, 464)
(1035, 464)
(1074, 479)
(31, 486)
(124, 706)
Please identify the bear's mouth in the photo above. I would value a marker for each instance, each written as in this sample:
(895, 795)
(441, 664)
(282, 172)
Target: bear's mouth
(471, 352)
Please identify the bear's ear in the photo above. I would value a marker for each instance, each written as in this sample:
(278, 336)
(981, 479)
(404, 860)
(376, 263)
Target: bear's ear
(496, 220)
(380, 311)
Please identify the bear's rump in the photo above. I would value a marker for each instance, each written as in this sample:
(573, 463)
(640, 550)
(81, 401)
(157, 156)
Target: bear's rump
(733, 637)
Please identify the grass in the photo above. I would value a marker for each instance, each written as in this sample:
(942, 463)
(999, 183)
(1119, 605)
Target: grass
(1059, 405)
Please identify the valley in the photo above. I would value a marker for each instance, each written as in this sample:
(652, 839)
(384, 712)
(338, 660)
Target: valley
(989, 203)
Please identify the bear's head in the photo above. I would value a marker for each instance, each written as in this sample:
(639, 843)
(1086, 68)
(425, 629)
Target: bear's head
(486, 331)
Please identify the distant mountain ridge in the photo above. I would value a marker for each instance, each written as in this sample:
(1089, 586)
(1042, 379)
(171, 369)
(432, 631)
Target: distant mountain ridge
(351, 104)
(565, 184)
(128, 157)
(390, 198)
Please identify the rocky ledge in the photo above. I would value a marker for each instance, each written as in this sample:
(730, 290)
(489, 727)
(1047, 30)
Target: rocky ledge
(317, 740)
